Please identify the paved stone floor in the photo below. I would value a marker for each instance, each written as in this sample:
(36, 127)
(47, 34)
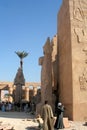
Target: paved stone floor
(26, 121)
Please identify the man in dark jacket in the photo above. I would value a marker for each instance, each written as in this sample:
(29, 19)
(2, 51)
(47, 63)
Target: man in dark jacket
(59, 121)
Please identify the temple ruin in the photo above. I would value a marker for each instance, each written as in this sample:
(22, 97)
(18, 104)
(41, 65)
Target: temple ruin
(29, 90)
(67, 62)
(72, 45)
(63, 64)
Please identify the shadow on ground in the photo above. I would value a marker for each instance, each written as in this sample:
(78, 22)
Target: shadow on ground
(85, 124)
(17, 115)
(32, 128)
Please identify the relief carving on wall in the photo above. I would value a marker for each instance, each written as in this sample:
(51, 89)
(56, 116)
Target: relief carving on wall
(85, 52)
(83, 80)
(81, 34)
(80, 10)
(80, 14)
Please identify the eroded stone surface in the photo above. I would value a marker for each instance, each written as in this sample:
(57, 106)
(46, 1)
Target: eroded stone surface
(72, 41)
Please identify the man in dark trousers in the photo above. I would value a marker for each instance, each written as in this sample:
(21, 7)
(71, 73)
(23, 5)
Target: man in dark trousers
(47, 116)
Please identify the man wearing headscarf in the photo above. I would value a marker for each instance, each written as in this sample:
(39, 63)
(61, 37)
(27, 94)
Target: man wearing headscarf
(59, 121)
(47, 116)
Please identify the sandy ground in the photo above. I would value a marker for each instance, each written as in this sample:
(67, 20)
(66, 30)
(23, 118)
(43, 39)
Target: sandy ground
(26, 121)
(17, 120)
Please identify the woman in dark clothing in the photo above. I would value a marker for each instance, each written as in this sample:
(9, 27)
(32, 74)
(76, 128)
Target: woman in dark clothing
(59, 120)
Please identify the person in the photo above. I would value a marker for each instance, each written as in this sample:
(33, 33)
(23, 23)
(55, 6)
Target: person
(40, 122)
(26, 107)
(3, 107)
(47, 116)
(59, 121)
(32, 107)
(9, 106)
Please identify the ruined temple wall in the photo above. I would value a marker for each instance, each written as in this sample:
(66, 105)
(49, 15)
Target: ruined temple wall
(54, 62)
(65, 59)
(72, 42)
(78, 20)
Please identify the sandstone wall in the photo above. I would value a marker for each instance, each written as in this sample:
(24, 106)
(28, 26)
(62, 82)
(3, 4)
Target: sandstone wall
(78, 19)
(72, 36)
(65, 59)
(54, 63)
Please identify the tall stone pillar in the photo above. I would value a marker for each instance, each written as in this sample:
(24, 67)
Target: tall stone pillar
(11, 93)
(27, 93)
(46, 73)
(0, 94)
(18, 93)
(72, 42)
(34, 91)
(54, 63)
(19, 82)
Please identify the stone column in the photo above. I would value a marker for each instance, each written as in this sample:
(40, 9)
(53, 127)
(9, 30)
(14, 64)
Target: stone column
(10, 92)
(27, 93)
(19, 81)
(46, 73)
(34, 90)
(54, 63)
(0, 94)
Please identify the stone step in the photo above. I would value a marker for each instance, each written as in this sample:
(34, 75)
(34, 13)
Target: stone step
(66, 122)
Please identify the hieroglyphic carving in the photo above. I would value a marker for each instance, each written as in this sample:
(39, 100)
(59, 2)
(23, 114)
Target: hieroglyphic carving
(81, 34)
(80, 14)
(85, 51)
(83, 4)
(80, 9)
(83, 80)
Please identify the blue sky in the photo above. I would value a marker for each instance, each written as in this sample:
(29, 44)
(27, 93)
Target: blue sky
(25, 26)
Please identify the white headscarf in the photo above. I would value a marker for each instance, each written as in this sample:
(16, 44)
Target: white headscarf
(59, 104)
